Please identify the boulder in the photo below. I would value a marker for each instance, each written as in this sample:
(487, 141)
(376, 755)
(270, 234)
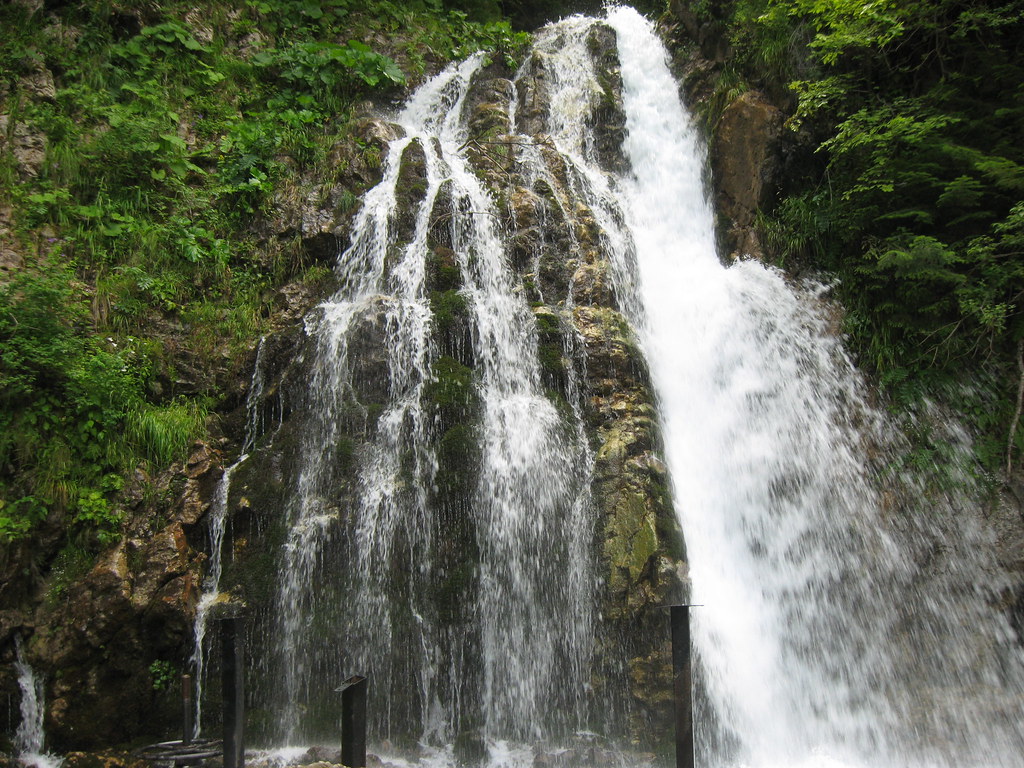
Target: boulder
(745, 165)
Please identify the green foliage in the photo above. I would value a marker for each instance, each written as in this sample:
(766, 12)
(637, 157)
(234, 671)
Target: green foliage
(495, 37)
(163, 674)
(315, 67)
(914, 195)
(162, 434)
(66, 398)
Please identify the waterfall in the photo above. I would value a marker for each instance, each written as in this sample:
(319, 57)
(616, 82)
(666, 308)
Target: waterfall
(30, 738)
(217, 523)
(839, 626)
(468, 528)
(441, 534)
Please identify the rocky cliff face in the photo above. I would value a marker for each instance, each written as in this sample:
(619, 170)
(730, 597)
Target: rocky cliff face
(109, 633)
(100, 633)
(588, 360)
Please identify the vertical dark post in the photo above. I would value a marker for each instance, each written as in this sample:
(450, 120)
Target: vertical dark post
(681, 685)
(186, 709)
(353, 722)
(233, 692)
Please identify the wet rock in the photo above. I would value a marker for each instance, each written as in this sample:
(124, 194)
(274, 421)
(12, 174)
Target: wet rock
(164, 557)
(411, 190)
(470, 747)
(745, 164)
(609, 117)
(440, 233)
(488, 104)
(533, 97)
(367, 352)
(294, 301)
(591, 284)
(104, 759)
(1006, 517)
(320, 755)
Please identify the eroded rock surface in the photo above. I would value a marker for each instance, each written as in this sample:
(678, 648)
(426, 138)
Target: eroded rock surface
(101, 641)
(746, 166)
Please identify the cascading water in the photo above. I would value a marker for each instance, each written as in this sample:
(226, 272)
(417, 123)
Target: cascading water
(215, 536)
(451, 554)
(480, 634)
(30, 738)
(824, 640)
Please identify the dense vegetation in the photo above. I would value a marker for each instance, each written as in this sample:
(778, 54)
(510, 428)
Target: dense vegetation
(905, 180)
(166, 134)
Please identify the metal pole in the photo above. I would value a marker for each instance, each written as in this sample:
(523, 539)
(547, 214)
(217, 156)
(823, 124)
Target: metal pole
(233, 692)
(682, 685)
(353, 722)
(186, 710)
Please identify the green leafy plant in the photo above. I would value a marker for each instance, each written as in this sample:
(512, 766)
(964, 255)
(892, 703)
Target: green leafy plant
(163, 674)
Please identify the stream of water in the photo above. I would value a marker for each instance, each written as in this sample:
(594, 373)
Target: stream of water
(30, 737)
(217, 525)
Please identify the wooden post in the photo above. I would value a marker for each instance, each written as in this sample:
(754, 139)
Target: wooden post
(682, 683)
(186, 710)
(233, 692)
(353, 722)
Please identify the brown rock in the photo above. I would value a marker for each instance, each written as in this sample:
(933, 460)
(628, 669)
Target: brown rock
(164, 557)
(200, 461)
(198, 25)
(745, 166)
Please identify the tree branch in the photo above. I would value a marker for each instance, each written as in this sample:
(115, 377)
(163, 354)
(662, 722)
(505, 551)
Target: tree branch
(1020, 405)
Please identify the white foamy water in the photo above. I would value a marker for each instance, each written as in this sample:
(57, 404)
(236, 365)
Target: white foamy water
(825, 638)
(510, 665)
(30, 737)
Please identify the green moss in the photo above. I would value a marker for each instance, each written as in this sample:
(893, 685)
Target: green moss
(548, 326)
(458, 458)
(451, 388)
(449, 308)
(631, 539)
(543, 188)
(551, 361)
(345, 449)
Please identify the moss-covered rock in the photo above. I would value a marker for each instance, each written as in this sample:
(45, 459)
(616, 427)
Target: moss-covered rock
(458, 461)
(410, 192)
(450, 394)
(609, 118)
(443, 272)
